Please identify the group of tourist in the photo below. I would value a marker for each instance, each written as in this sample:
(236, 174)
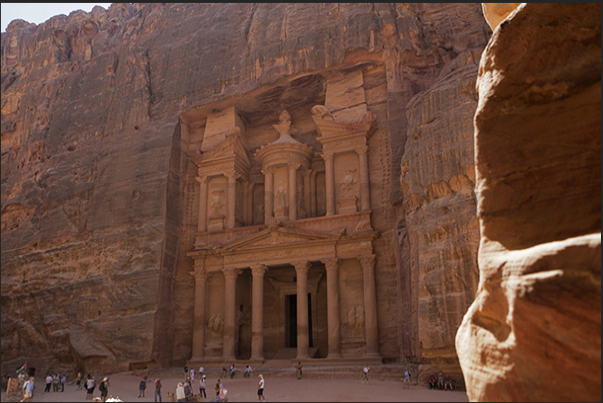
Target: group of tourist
(184, 390)
(442, 382)
(56, 381)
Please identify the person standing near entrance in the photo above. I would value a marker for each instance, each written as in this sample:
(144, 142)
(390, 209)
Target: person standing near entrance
(261, 397)
(365, 372)
(406, 378)
(299, 370)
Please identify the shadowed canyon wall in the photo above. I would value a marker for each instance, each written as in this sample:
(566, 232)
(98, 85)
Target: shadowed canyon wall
(98, 191)
(533, 332)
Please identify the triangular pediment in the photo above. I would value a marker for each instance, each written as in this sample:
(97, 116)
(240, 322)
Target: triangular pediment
(279, 236)
(232, 147)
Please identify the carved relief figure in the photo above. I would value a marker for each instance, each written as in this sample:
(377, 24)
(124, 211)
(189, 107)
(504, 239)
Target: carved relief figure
(281, 196)
(284, 125)
(215, 324)
(217, 202)
(347, 184)
(359, 317)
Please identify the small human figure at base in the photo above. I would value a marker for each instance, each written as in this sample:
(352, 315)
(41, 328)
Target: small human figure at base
(142, 386)
(180, 396)
(365, 371)
(440, 381)
(80, 377)
(223, 373)
(447, 382)
(202, 386)
(28, 388)
(406, 378)
(261, 397)
(90, 385)
(432, 381)
(299, 370)
(247, 372)
(104, 388)
(222, 395)
(217, 387)
(233, 370)
(158, 389)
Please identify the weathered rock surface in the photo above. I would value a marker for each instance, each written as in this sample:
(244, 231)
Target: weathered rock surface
(534, 330)
(438, 177)
(96, 186)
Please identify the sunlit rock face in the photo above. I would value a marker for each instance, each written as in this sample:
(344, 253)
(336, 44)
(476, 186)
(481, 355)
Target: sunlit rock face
(99, 197)
(533, 332)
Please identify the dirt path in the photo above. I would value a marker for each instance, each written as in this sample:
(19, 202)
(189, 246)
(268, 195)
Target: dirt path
(277, 389)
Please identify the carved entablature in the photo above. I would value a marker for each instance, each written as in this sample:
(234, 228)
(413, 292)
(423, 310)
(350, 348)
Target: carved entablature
(277, 245)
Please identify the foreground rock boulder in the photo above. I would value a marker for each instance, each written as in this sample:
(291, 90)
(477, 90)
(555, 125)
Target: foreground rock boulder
(534, 330)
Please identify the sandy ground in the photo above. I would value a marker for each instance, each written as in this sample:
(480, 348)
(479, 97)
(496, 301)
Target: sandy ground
(276, 390)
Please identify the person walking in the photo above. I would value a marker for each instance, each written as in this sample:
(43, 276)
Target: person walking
(142, 387)
(261, 397)
(104, 388)
(48, 383)
(406, 378)
(80, 377)
(28, 388)
(158, 389)
(180, 396)
(202, 386)
(365, 372)
(63, 380)
(299, 370)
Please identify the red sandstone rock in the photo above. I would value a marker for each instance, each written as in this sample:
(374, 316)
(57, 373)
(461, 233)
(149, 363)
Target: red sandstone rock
(98, 190)
(534, 330)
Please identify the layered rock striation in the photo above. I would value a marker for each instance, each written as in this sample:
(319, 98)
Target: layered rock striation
(533, 332)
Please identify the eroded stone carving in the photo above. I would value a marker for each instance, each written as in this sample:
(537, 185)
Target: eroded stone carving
(215, 324)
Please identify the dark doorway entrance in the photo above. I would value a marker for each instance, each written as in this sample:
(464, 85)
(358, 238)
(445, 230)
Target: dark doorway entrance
(291, 320)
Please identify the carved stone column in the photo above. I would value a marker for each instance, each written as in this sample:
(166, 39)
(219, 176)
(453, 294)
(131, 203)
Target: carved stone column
(202, 226)
(257, 312)
(199, 313)
(332, 268)
(365, 197)
(307, 174)
(330, 185)
(230, 287)
(268, 194)
(313, 193)
(303, 329)
(232, 196)
(370, 306)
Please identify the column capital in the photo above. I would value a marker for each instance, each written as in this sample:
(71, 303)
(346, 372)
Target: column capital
(199, 275)
(232, 174)
(367, 261)
(231, 272)
(268, 170)
(294, 165)
(258, 270)
(331, 264)
(361, 150)
(302, 266)
(202, 179)
(327, 155)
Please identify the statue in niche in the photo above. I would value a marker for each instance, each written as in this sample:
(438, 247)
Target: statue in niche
(356, 318)
(347, 184)
(215, 324)
(281, 196)
(217, 202)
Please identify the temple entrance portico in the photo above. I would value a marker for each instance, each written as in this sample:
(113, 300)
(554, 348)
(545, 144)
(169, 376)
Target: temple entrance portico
(244, 291)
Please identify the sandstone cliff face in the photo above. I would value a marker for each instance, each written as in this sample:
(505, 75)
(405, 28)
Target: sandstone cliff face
(437, 178)
(534, 330)
(95, 168)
